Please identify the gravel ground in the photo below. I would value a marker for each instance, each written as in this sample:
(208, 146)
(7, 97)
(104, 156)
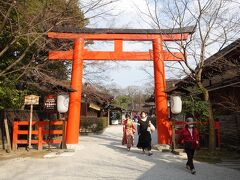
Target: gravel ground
(103, 157)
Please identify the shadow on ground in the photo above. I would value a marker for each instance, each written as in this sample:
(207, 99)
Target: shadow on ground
(164, 165)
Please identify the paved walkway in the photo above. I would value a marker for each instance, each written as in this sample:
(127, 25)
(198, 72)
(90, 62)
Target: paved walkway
(103, 157)
(233, 164)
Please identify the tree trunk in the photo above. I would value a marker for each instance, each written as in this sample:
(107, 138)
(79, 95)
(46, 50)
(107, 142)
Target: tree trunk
(211, 145)
(211, 128)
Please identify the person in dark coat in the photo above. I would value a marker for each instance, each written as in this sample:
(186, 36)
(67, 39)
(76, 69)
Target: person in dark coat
(189, 136)
(144, 132)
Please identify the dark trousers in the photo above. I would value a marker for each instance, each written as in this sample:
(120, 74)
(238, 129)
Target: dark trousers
(190, 154)
(144, 141)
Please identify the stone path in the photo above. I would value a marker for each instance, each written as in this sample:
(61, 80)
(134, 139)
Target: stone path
(103, 157)
(233, 164)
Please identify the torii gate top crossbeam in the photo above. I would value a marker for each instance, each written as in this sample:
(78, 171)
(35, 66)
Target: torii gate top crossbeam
(118, 36)
(188, 29)
(175, 34)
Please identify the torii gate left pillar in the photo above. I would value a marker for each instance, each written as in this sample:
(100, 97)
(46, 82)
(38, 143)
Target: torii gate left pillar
(75, 97)
(78, 54)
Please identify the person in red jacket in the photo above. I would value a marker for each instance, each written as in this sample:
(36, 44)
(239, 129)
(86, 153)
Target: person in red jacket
(189, 136)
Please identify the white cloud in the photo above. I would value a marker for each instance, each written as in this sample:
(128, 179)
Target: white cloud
(121, 14)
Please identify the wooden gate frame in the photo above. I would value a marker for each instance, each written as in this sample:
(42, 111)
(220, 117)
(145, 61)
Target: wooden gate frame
(158, 55)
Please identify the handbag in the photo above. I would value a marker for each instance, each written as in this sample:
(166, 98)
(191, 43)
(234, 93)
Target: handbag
(152, 128)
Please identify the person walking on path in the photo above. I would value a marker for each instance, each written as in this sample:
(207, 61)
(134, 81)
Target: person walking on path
(128, 132)
(189, 136)
(144, 131)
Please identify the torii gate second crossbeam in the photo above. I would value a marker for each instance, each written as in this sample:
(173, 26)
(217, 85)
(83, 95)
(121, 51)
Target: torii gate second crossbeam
(78, 54)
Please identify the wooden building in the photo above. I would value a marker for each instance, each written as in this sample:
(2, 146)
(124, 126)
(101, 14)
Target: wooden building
(221, 76)
(222, 79)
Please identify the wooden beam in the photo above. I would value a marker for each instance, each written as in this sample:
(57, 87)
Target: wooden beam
(60, 55)
(65, 29)
(133, 37)
(112, 55)
(173, 56)
(99, 55)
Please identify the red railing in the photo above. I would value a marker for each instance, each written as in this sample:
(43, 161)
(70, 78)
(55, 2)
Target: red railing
(39, 131)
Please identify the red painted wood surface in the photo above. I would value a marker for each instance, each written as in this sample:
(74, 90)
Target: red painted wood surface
(163, 124)
(75, 97)
(115, 55)
(40, 131)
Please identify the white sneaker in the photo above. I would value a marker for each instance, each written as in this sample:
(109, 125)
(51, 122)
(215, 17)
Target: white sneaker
(150, 153)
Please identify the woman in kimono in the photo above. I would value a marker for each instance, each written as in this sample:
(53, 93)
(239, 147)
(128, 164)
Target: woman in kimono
(128, 132)
(144, 131)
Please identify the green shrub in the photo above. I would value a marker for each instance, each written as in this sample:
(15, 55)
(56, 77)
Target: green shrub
(101, 124)
(93, 124)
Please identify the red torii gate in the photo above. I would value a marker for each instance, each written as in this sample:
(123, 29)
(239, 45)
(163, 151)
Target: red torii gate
(79, 53)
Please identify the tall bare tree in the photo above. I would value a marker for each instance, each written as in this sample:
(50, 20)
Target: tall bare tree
(216, 24)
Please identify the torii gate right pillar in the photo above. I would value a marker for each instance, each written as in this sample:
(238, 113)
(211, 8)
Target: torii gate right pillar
(163, 124)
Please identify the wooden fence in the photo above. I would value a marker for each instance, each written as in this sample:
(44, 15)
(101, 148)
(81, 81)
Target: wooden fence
(40, 133)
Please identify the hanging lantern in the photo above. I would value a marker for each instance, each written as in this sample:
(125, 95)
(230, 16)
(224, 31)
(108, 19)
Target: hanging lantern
(62, 103)
(176, 104)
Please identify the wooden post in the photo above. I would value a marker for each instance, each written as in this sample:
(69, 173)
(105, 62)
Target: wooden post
(40, 137)
(173, 135)
(30, 128)
(8, 135)
(108, 117)
(63, 143)
(15, 135)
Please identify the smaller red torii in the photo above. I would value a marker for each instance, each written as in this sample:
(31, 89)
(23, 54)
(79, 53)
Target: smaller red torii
(157, 55)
